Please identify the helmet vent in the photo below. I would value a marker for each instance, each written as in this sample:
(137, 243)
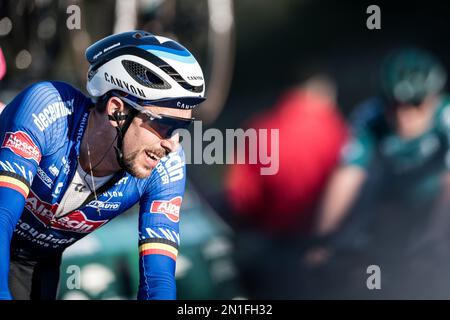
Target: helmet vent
(144, 76)
(179, 79)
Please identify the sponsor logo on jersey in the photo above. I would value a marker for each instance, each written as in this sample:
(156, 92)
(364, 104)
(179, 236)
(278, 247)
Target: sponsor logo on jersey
(81, 126)
(79, 187)
(21, 144)
(42, 210)
(75, 221)
(113, 194)
(108, 206)
(52, 113)
(44, 178)
(23, 229)
(65, 165)
(57, 191)
(122, 181)
(170, 168)
(53, 170)
(170, 208)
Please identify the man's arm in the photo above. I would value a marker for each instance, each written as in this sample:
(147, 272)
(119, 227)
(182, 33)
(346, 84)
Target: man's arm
(22, 145)
(340, 195)
(19, 158)
(159, 228)
(13, 190)
(346, 181)
(341, 192)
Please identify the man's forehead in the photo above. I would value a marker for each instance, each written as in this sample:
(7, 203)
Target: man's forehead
(182, 113)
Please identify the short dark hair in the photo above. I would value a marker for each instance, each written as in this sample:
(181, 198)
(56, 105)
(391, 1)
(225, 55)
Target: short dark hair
(100, 104)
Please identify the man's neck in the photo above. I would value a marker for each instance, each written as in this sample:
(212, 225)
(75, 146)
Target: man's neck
(97, 153)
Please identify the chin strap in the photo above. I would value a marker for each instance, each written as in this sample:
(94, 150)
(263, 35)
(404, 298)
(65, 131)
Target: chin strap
(121, 130)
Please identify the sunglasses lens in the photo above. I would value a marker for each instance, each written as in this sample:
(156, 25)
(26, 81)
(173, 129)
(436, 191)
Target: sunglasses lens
(167, 125)
(163, 130)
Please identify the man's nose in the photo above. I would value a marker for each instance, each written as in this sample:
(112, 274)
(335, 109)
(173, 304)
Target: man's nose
(171, 144)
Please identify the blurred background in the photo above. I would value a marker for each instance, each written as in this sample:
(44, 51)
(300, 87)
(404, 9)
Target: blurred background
(313, 70)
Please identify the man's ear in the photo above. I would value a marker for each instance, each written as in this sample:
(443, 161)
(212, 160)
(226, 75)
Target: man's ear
(115, 109)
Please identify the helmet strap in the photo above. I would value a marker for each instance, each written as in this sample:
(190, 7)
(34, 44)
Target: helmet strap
(121, 130)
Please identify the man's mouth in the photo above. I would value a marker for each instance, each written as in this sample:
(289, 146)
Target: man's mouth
(151, 155)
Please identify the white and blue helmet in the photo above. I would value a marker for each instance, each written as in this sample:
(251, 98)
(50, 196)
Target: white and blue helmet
(152, 69)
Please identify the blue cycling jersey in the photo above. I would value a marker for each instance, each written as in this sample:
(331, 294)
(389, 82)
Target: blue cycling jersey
(41, 132)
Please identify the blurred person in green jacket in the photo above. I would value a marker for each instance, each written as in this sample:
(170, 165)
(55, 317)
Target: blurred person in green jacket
(384, 203)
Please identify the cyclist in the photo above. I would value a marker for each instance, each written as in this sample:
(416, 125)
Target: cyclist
(403, 132)
(386, 193)
(69, 164)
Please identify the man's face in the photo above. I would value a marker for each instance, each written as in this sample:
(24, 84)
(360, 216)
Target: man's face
(143, 147)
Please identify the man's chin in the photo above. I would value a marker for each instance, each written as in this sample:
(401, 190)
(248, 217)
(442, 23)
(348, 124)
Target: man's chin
(140, 172)
(143, 173)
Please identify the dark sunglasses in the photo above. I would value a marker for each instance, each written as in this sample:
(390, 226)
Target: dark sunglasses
(163, 125)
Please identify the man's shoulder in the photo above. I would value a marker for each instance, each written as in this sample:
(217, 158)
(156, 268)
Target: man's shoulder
(44, 103)
(52, 86)
(41, 94)
(44, 111)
